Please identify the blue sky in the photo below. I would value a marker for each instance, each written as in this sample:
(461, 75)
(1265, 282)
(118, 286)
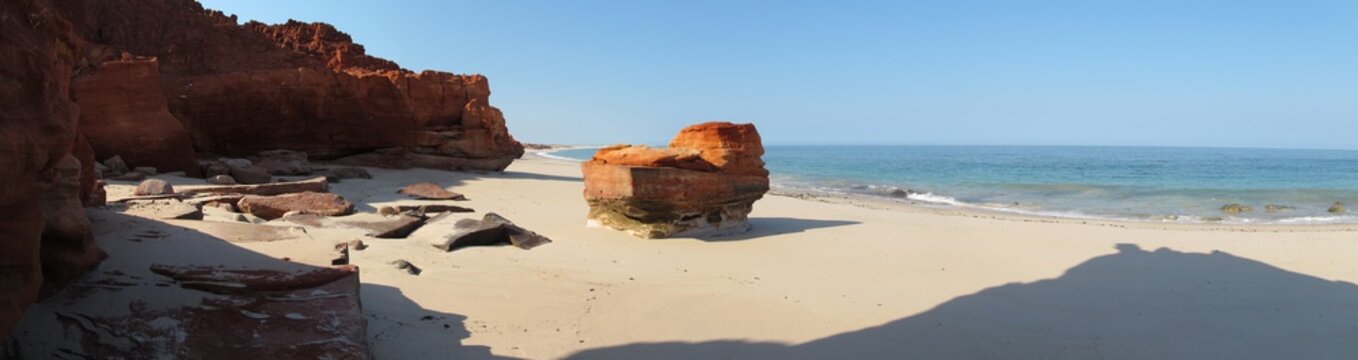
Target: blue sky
(1181, 73)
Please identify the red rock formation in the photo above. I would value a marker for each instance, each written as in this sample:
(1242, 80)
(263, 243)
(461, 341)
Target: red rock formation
(40, 181)
(124, 113)
(309, 85)
(706, 182)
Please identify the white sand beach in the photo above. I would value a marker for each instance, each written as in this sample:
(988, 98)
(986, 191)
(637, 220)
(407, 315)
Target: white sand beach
(813, 278)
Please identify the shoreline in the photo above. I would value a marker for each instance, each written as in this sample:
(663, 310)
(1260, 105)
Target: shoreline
(917, 206)
(811, 278)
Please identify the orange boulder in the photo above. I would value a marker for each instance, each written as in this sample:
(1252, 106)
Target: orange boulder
(705, 183)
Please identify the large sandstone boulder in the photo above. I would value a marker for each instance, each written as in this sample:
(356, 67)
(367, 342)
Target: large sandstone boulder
(704, 183)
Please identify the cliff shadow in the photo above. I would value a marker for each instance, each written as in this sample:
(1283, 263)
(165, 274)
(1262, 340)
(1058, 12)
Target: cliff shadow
(397, 325)
(122, 309)
(772, 226)
(1134, 304)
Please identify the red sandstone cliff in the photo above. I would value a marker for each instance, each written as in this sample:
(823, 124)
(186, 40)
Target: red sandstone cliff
(242, 89)
(45, 237)
(160, 81)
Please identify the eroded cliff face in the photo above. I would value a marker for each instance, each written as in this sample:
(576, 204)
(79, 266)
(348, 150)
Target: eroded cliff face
(125, 114)
(44, 234)
(242, 89)
(159, 82)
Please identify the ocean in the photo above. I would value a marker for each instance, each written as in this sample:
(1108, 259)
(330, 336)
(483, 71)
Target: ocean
(1159, 184)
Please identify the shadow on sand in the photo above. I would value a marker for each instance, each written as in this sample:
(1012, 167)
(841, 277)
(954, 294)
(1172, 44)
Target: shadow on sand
(393, 321)
(1134, 304)
(771, 226)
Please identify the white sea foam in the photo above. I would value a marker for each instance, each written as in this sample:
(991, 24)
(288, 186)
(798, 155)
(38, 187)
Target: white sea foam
(935, 198)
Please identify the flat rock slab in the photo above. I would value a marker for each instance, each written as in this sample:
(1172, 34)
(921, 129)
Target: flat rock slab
(375, 225)
(270, 314)
(242, 232)
(430, 191)
(431, 208)
(273, 207)
(317, 184)
(168, 209)
(448, 233)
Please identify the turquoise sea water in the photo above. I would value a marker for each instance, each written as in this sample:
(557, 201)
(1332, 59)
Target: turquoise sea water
(1128, 183)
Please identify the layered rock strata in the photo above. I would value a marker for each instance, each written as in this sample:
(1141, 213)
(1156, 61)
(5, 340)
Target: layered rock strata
(704, 183)
(308, 85)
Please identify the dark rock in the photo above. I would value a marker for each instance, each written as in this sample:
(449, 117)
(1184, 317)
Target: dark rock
(251, 175)
(116, 165)
(447, 233)
(221, 180)
(341, 254)
(1236, 208)
(215, 168)
(1337, 208)
(283, 162)
(347, 172)
(899, 193)
(430, 191)
(432, 208)
(1277, 208)
(407, 266)
(146, 170)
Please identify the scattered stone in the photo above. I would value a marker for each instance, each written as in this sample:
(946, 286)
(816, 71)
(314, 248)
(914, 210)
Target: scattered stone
(1337, 208)
(146, 170)
(283, 162)
(221, 180)
(316, 184)
(430, 191)
(214, 168)
(704, 183)
(116, 166)
(407, 266)
(273, 207)
(492, 229)
(388, 211)
(1277, 208)
(235, 162)
(153, 187)
(342, 254)
(1236, 208)
(347, 172)
(357, 245)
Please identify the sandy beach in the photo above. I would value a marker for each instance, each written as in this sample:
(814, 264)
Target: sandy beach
(813, 278)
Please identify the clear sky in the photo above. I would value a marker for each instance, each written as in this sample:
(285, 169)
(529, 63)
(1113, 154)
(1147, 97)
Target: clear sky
(1185, 73)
